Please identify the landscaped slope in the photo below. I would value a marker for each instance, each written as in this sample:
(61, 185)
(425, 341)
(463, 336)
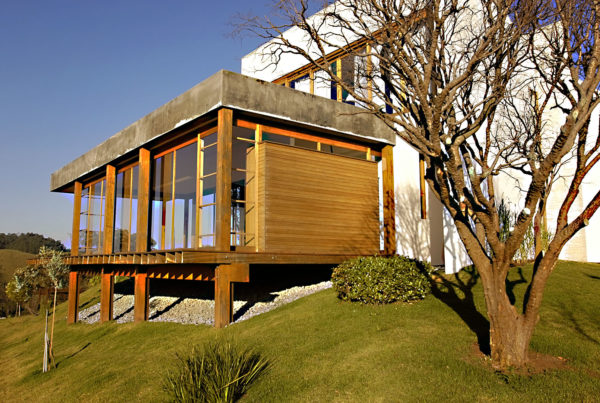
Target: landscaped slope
(322, 349)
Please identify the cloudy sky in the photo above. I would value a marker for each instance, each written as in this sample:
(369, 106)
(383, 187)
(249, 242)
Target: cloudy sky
(73, 73)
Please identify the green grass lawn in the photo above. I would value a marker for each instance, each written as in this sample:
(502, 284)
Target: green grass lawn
(322, 349)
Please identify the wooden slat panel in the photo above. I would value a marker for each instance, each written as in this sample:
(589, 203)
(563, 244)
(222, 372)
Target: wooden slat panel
(76, 218)
(223, 197)
(141, 244)
(318, 203)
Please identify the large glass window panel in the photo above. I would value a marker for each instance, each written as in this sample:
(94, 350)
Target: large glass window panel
(83, 221)
(125, 210)
(243, 147)
(95, 224)
(207, 184)
(185, 196)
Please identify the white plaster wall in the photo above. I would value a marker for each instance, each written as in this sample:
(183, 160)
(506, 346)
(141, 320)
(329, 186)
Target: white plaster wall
(412, 232)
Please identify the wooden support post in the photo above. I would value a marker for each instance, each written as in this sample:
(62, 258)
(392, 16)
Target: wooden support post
(389, 201)
(141, 297)
(73, 304)
(423, 187)
(76, 218)
(225, 275)
(143, 209)
(106, 296)
(223, 202)
(338, 73)
(109, 210)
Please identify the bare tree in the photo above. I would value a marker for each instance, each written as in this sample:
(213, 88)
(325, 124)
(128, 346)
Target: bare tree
(447, 76)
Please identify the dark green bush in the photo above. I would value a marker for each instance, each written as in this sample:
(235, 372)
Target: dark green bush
(219, 371)
(382, 280)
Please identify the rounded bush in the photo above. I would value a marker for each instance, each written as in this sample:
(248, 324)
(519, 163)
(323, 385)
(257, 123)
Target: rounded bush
(382, 280)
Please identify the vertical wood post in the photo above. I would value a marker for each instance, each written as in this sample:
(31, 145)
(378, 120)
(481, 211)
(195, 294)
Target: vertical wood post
(106, 296)
(73, 304)
(141, 238)
(423, 187)
(141, 297)
(225, 275)
(223, 202)
(76, 218)
(389, 201)
(109, 209)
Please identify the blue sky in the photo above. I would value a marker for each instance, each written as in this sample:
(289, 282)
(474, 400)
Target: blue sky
(73, 73)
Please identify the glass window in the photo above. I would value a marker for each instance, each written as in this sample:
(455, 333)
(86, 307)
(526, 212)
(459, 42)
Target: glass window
(91, 227)
(174, 199)
(126, 194)
(83, 220)
(207, 185)
(243, 169)
(301, 84)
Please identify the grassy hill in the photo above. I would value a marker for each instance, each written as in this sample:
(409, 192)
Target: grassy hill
(322, 349)
(10, 260)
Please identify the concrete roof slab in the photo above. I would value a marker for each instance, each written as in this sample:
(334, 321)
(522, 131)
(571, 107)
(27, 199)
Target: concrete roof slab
(237, 92)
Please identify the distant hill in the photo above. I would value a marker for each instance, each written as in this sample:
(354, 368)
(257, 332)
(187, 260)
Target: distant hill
(29, 242)
(10, 260)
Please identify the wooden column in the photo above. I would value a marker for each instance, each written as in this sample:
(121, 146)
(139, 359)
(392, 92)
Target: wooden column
(141, 297)
(76, 218)
(106, 296)
(73, 304)
(141, 243)
(389, 201)
(223, 202)
(225, 275)
(109, 209)
(423, 187)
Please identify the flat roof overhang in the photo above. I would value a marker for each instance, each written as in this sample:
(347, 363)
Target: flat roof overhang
(238, 92)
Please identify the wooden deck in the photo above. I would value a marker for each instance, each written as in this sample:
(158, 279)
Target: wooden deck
(188, 256)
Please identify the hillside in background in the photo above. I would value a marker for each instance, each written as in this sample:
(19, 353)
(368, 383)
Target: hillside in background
(29, 242)
(10, 260)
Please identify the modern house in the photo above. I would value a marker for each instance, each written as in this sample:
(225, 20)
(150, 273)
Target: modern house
(233, 172)
(275, 166)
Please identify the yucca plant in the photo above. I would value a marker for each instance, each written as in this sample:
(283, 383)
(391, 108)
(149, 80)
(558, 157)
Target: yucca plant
(219, 371)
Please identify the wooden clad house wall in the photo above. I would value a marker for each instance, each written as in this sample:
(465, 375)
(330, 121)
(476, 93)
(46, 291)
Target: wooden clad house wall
(312, 202)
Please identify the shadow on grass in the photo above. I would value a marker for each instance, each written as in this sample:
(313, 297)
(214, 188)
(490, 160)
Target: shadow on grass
(72, 355)
(457, 293)
(592, 276)
(568, 313)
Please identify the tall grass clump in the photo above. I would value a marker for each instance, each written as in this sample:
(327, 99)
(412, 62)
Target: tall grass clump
(382, 280)
(218, 371)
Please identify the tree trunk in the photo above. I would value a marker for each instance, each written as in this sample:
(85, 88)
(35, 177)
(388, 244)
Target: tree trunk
(510, 333)
(51, 351)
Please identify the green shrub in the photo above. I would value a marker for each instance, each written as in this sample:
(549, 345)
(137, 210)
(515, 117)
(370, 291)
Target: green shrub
(219, 371)
(382, 280)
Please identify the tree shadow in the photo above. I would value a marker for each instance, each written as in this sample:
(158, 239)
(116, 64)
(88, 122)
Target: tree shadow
(568, 313)
(457, 294)
(592, 276)
(73, 355)
(167, 308)
(511, 284)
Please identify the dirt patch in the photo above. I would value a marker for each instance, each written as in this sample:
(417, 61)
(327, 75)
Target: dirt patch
(537, 363)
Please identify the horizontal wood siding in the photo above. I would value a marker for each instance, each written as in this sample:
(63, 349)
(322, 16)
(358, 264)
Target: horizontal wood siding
(311, 202)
